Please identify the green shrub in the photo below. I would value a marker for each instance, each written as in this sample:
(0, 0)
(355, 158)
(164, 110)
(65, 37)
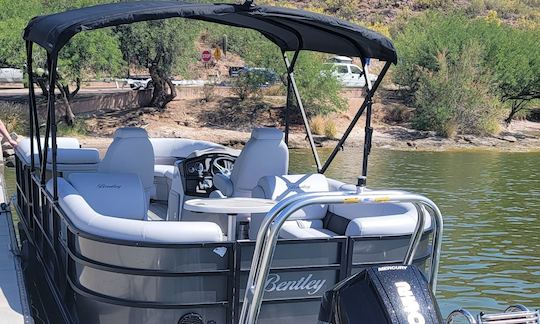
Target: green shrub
(457, 98)
(79, 128)
(248, 85)
(505, 70)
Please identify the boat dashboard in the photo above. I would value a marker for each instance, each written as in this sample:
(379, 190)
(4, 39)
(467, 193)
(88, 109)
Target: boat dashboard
(198, 169)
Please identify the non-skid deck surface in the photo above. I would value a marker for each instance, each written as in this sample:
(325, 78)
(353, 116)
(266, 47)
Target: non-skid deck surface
(157, 211)
(13, 300)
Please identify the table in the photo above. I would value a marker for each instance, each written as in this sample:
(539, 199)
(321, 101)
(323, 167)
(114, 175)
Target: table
(230, 206)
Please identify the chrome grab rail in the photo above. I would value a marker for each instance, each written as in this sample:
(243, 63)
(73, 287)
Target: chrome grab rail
(515, 314)
(276, 217)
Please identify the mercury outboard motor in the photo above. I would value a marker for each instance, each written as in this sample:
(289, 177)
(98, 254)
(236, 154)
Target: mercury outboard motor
(386, 294)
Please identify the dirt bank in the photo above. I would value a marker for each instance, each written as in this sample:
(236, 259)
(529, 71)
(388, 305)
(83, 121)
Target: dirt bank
(229, 122)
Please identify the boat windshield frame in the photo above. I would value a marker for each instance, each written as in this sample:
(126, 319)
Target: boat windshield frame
(301, 30)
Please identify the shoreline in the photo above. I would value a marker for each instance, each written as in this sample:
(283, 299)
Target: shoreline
(396, 138)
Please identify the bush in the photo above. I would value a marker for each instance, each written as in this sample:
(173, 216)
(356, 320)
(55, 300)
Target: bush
(317, 125)
(79, 128)
(477, 81)
(330, 129)
(456, 98)
(397, 114)
(209, 92)
(248, 85)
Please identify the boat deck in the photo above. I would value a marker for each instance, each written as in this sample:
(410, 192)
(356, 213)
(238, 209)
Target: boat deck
(14, 306)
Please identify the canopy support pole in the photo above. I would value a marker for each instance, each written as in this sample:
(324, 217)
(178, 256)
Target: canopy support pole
(367, 100)
(368, 130)
(292, 81)
(51, 127)
(288, 111)
(31, 106)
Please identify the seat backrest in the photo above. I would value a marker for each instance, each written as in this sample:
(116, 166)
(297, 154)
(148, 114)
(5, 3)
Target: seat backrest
(265, 154)
(24, 147)
(131, 152)
(280, 187)
(118, 195)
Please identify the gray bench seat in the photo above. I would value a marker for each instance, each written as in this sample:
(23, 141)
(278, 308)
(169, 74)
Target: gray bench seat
(322, 221)
(112, 205)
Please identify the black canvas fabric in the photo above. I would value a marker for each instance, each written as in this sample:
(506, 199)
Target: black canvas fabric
(335, 223)
(290, 29)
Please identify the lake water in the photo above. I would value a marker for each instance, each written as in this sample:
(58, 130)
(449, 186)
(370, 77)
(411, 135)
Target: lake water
(491, 207)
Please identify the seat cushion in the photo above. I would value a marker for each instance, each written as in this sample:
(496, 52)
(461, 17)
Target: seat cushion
(112, 194)
(280, 187)
(379, 219)
(165, 171)
(301, 230)
(87, 220)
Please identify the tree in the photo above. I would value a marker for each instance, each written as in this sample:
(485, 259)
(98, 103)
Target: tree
(517, 66)
(161, 46)
(88, 54)
(509, 59)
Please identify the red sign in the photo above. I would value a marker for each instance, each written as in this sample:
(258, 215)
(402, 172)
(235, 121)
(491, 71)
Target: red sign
(206, 56)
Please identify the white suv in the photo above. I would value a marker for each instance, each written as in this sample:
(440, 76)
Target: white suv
(350, 75)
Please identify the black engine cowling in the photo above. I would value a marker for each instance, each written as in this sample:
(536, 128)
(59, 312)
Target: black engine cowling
(387, 294)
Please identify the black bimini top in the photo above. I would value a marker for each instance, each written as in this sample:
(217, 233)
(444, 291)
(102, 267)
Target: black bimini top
(290, 29)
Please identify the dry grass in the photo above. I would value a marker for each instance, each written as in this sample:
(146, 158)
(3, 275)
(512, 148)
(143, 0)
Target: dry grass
(330, 129)
(14, 116)
(317, 125)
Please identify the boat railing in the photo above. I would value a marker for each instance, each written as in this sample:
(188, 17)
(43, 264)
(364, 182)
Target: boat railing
(516, 314)
(274, 220)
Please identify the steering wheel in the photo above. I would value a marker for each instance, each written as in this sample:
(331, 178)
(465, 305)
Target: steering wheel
(223, 165)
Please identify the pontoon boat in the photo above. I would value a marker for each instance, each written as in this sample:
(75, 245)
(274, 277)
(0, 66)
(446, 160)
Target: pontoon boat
(174, 230)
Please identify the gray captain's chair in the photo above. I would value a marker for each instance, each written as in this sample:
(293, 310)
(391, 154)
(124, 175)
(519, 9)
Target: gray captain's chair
(265, 154)
(131, 152)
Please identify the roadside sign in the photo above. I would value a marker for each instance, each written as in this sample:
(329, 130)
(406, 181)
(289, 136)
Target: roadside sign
(206, 56)
(217, 54)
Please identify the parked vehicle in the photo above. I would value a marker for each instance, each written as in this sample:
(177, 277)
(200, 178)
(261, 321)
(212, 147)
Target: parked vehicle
(141, 82)
(350, 75)
(11, 75)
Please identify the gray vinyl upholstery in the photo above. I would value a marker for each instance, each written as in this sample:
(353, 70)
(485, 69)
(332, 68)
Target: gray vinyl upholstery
(70, 157)
(304, 223)
(131, 152)
(265, 154)
(111, 205)
(319, 221)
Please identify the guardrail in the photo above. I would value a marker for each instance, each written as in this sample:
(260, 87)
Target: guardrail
(276, 217)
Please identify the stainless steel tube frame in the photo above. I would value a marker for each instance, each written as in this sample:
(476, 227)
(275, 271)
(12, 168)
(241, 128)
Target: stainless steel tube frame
(276, 217)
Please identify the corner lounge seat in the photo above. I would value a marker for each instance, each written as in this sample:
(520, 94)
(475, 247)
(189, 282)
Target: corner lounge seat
(70, 157)
(111, 205)
(320, 221)
(265, 154)
(166, 152)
